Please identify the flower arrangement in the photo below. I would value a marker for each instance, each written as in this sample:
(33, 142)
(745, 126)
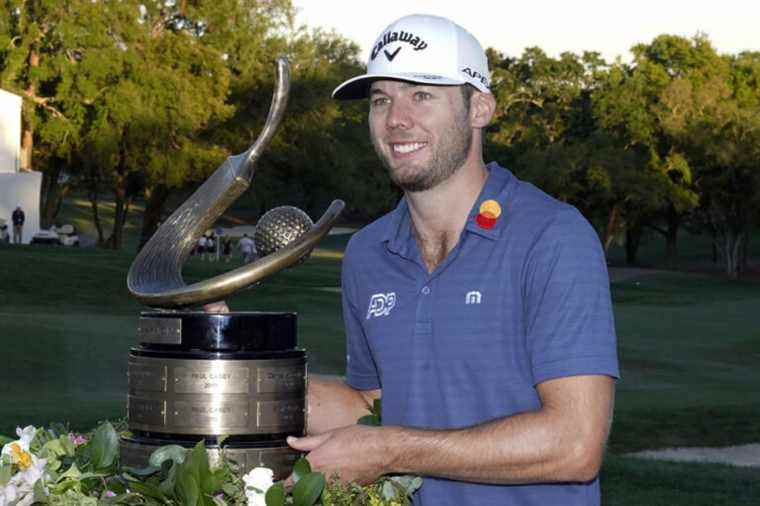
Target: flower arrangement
(57, 467)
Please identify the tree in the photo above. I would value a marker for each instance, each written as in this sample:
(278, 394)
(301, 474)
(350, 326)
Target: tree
(547, 130)
(717, 123)
(632, 106)
(40, 46)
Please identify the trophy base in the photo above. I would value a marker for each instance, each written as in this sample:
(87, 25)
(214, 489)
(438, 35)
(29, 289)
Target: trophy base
(135, 451)
(195, 376)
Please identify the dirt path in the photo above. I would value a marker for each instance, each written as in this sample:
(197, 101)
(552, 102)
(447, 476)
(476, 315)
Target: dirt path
(740, 455)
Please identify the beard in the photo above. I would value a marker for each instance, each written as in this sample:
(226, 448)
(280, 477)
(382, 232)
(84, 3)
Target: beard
(448, 155)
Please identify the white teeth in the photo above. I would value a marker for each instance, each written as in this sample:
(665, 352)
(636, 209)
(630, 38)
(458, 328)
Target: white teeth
(407, 148)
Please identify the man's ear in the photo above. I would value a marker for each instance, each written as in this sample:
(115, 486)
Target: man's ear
(482, 108)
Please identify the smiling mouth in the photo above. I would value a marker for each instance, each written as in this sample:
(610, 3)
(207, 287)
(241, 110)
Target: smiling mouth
(404, 148)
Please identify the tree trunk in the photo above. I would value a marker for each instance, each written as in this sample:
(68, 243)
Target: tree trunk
(27, 129)
(744, 254)
(632, 243)
(730, 232)
(612, 226)
(120, 212)
(155, 197)
(671, 238)
(732, 249)
(95, 212)
(714, 245)
(52, 192)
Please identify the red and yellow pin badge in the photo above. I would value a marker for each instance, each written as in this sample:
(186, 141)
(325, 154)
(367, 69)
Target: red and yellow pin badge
(489, 212)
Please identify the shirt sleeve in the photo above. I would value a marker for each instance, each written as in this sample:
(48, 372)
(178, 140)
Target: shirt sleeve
(361, 370)
(570, 325)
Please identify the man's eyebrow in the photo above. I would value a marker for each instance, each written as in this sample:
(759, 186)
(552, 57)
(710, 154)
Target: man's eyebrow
(376, 91)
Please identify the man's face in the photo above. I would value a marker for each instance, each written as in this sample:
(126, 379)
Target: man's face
(421, 133)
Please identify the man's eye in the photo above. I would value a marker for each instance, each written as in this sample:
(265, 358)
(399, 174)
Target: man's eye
(377, 101)
(422, 95)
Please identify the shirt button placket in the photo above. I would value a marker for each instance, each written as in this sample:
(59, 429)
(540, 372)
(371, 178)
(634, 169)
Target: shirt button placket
(423, 324)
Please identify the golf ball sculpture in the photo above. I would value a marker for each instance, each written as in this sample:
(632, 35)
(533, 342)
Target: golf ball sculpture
(236, 380)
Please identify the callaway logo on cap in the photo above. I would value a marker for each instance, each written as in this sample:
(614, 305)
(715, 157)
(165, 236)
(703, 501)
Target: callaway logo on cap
(422, 49)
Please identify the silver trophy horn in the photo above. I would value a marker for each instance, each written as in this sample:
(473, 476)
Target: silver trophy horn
(155, 277)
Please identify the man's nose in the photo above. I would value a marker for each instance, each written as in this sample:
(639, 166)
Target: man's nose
(399, 115)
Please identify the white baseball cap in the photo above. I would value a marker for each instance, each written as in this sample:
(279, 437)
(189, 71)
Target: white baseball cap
(422, 49)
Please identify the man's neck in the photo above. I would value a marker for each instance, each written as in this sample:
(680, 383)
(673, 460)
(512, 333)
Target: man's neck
(439, 215)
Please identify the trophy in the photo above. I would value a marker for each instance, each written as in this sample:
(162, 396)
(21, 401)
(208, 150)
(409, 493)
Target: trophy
(237, 379)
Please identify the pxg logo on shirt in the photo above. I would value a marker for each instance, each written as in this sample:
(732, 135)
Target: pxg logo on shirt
(401, 36)
(380, 304)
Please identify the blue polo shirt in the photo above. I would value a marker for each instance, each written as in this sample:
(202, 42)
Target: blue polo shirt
(510, 307)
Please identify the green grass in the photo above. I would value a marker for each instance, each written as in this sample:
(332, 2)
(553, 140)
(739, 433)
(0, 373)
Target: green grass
(690, 353)
(689, 349)
(639, 482)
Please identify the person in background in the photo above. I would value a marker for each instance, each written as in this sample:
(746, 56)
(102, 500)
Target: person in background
(18, 217)
(211, 244)
(247, 247)
(200, 248)
(5, 237)
(226, 249)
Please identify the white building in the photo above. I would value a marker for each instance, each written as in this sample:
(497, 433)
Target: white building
(16, 187)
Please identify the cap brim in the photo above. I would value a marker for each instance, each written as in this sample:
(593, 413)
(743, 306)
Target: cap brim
(358, 87)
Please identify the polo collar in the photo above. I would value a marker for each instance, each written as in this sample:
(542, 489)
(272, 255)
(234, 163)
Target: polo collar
(398, 231)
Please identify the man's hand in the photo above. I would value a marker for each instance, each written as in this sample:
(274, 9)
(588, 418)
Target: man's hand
(357, 453)
(216, 307)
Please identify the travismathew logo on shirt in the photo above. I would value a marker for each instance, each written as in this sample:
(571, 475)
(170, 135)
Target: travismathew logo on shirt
(400, 36)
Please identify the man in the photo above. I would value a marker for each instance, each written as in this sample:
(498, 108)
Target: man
(478, 309)
(18, 217)
(247, 246)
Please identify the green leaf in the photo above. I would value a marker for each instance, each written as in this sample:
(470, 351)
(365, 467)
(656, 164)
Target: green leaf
(72, 473)
(147, 490)
(408, 483)
(377, 407)
(39, 491)
(68, 445)
(212, 482)
(374, 418)
(175, 453)
(275, 496)
(368, 420)
(4, 440)
(104, 446)
(308, 489)
(199, 461)
(229, 489)
(187, 488)
(300, 469)
(5, 474)
(389, 491)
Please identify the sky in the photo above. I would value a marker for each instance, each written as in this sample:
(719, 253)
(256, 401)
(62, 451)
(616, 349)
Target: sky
(610, 27)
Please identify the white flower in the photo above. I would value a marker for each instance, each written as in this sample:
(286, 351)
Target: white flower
(19, 491)
(25, 437)
(34, 472)
(8, 494)
(257, 482)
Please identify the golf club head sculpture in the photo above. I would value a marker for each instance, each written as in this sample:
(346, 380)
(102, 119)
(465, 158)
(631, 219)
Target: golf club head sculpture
(155, 277)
